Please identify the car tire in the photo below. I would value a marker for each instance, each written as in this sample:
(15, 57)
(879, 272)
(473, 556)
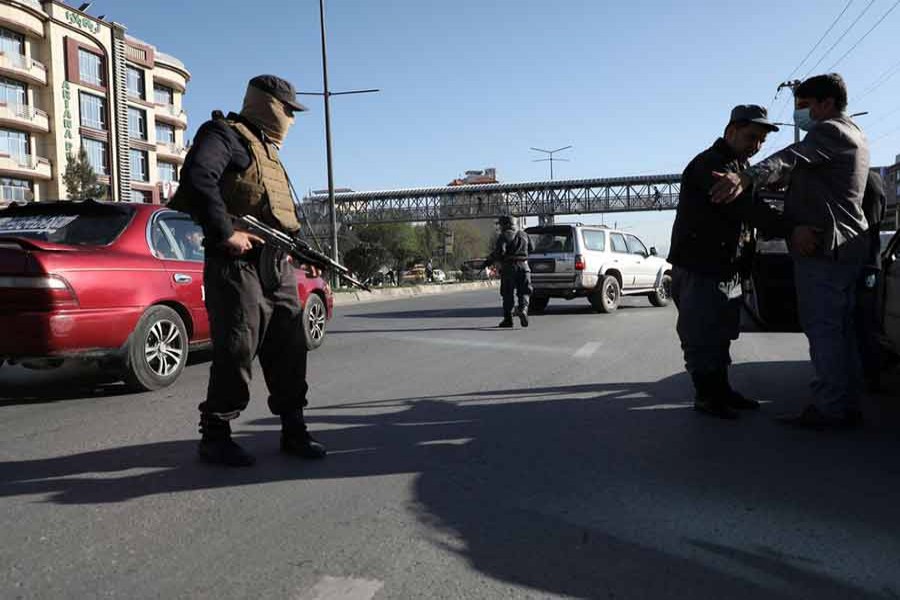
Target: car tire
(315, 321)
(663, 295)
(606, 296)
(538, 304)
(157, 351)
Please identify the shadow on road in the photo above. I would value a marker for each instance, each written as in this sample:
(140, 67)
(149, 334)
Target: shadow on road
(591, 491)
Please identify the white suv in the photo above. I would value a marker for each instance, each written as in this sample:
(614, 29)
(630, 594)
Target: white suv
(601, 264)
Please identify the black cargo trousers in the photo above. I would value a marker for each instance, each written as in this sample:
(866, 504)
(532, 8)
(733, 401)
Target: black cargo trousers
(515, 282)
(254, 310)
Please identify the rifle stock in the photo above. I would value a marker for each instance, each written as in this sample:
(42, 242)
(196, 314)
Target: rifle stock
(297, 248)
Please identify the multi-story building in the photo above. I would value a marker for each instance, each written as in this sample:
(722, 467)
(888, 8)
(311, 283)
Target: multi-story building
(892, 194)
(68, 81)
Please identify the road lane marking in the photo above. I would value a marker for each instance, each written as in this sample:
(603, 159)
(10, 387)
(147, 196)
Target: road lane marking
(343, 588)
(439, 341)
(675, 406)
(456, 442)
(588, 350)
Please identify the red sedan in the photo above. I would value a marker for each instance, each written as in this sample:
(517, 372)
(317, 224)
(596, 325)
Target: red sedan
(116, 283)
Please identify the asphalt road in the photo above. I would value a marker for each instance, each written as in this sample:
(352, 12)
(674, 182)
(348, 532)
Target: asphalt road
(466, 462)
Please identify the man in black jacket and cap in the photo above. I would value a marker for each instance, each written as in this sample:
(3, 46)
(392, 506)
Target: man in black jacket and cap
(706, 284)
(233, 169)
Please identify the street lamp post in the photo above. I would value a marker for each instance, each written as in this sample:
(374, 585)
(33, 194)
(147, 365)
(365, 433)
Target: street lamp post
(546, 219)
(326, 94)
(550, 158)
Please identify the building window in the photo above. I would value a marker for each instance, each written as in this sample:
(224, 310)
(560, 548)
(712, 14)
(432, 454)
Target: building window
(167, 171)
(90, 67)
(139, 171)
(97, 155)
(137, 123)
(14, 190)
(14, 143)
(12, 44)
(13, 93)
(135, 82)
(93, 111)
(163, 94)
(165, 133)
(142, 196)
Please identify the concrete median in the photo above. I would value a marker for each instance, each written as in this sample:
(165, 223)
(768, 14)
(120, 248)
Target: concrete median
(396, 293)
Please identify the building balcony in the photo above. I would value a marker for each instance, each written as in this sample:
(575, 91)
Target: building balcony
(22, 116)
(166, 151)
(172, 115)
(23, 68)
(25, 166)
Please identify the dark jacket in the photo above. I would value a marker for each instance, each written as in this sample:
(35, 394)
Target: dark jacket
(873, 206)
(705, 236)
(511, 246)
(827, 173)
(216, 149)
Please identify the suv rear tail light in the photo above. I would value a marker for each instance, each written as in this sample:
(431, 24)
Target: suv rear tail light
(36, 293)
(579, 262)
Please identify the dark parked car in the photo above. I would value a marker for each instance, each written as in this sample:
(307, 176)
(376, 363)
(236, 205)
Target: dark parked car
(116, 283)
(770, 297)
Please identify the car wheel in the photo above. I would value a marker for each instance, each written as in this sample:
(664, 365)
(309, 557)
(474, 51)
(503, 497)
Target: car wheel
(538, 304)
(606, 296)
(663, 294)
(158, 350)
(315, 320)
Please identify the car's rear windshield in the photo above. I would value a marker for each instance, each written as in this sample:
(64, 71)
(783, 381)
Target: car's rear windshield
(549, 240)
(72, 223)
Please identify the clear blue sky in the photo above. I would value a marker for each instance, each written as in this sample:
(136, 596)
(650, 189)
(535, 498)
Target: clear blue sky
(637, 86)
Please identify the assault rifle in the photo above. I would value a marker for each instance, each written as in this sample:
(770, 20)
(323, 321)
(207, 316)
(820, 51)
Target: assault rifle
(297, 248)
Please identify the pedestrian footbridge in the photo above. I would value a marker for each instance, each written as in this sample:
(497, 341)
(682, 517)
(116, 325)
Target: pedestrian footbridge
(542, 199)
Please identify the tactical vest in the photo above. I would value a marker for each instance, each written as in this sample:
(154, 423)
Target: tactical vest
(261, 190)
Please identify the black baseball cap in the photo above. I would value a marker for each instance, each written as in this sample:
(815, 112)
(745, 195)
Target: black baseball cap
(280, 88)
(752, 113)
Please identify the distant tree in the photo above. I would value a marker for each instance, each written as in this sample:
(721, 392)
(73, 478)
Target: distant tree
(468, 242)
(81, 180)
(365, 259)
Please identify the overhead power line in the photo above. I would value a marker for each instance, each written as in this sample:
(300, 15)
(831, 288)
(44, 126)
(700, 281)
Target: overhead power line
(821, 39)
(860, 40)
(881, 80)
(840, 39)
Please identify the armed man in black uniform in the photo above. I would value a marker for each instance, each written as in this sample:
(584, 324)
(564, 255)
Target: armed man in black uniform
(704, 253)
(233, 169)
(511, 251)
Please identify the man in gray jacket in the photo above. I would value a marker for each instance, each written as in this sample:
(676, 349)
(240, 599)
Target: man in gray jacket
(826, 173)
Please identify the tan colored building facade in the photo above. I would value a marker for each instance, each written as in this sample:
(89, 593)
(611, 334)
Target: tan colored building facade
(71, 81)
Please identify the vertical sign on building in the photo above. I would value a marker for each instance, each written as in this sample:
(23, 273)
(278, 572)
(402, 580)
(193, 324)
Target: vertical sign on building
(67, 117)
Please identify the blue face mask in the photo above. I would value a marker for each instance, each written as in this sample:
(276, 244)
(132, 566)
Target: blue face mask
(803, 119)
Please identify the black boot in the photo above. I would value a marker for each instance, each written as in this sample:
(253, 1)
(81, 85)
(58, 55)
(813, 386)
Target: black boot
(709, 399)
(296, 440)
(522, 311)
(217, 447)
(507, 321)
(734, 399)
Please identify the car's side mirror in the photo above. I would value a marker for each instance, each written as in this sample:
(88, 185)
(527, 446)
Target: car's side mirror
(653, 251)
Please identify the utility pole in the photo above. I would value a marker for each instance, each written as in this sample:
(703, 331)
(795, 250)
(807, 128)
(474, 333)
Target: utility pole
(792, 85)
(326, 94)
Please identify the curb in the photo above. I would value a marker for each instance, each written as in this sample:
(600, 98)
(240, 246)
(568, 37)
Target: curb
(383, 295)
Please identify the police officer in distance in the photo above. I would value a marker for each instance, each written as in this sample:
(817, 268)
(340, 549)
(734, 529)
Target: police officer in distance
(233, 169)
(511, 251)
(704, 253)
